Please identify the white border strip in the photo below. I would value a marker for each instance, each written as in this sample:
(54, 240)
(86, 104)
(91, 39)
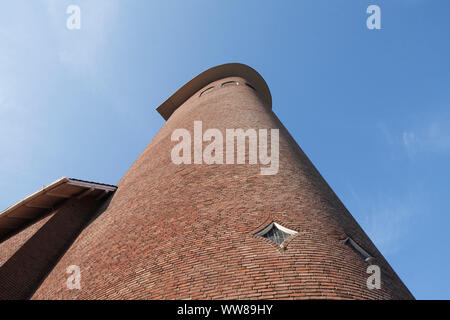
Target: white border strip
(267, 229)
(367, 256)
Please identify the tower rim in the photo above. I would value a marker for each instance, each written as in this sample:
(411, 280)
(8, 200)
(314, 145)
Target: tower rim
(168, 107)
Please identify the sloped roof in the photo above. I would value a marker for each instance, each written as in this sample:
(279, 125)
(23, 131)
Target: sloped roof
(44, 201)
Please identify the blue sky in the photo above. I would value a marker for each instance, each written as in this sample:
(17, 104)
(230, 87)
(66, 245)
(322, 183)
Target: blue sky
(369, 107)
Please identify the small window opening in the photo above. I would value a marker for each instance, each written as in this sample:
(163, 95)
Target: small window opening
(277, 233)
(230, 83)
(206, 91)
(250, 86)
(356, 248)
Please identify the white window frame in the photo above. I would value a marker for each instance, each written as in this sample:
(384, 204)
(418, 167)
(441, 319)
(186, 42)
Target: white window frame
(364, 253)
(270, 226)
(229, 84)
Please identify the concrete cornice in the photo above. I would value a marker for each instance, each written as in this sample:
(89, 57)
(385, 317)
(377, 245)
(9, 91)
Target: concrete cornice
(216, 73)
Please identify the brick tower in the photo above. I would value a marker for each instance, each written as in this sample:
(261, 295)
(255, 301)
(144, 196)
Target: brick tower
(222, 231)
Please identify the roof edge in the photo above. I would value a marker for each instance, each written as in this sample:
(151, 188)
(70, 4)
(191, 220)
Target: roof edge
(168, 107)
(76, 182)
(34, 195)
(13, 222)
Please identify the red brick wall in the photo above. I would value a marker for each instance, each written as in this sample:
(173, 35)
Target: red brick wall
(41, 246)
(11, 245)
(187, 231)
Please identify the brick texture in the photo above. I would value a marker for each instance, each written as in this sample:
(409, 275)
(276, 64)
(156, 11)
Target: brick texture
(38, 248)
(188, 231)
(11, 245)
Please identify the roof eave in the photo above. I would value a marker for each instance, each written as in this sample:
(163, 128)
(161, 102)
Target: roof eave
(168, 107)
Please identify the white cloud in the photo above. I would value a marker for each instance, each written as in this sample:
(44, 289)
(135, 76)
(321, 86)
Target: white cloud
(388, 222)
(386, 219)
(410, 141)
(432, 138)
